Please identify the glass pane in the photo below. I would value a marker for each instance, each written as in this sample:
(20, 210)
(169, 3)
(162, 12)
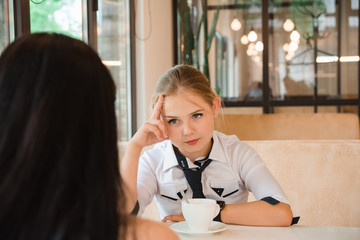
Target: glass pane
(307, 42)
(301, 109)
(4, 24)
(190, 32)
(242, 110)
(313, 51)
(238, 50)
(350, 109)
(349, 42)
(233, 67)
(114, 48)
(63, 16)
(320, 109)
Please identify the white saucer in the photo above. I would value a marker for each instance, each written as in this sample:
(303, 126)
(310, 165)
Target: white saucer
(182, 227)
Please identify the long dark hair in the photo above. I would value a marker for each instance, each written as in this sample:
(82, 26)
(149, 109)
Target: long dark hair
(59, 173)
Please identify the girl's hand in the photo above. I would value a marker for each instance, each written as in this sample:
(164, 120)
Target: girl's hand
(174, 218)
(153, 130)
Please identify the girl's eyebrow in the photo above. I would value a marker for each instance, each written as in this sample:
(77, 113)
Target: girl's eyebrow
(192, 113)
(170, 116)
(199, 110)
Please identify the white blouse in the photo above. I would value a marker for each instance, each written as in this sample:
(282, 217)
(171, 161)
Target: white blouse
(235, 170)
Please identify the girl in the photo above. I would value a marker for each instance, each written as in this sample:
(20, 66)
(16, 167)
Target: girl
(191, 158)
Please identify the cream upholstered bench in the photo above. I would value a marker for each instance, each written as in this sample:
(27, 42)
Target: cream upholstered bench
(281, 126)
(320, 177)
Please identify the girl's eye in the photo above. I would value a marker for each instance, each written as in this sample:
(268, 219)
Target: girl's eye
(197, 115)
(173, 121)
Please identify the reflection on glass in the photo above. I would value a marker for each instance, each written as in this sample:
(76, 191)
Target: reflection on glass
(113, 47)
(68, 17)
(4, 25)
(63, 16)
(312, 53)
(238, 54)
(306, 60)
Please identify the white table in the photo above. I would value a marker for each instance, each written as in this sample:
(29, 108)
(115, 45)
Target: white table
(296, 232)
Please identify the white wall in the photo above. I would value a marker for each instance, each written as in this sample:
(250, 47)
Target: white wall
(154, 50)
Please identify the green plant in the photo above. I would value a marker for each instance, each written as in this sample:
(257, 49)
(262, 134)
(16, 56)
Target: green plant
(191, 40)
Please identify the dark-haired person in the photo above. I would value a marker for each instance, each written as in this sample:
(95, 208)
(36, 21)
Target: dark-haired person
(59, 173)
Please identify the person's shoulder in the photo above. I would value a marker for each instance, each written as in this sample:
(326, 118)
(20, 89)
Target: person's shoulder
(231, 143)
(156, 151)
(151, 230)
(228, 139)
(157, 148)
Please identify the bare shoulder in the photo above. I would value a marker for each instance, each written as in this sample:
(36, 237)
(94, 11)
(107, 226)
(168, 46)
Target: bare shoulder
(150, 230)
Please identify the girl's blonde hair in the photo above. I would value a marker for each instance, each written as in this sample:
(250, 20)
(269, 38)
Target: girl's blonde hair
(184, 78)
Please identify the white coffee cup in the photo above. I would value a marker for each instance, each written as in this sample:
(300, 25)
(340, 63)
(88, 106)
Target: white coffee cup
(199, 213)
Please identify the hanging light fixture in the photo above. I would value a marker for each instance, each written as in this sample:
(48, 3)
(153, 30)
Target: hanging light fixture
(286, 47)
(295, 36)
(235, 24)
(244, 40)
(259, 46)
(293, 46)
(252, 36)
(289, 55)
(251, 51)
(288, 25)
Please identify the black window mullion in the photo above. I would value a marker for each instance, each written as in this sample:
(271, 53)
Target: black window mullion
(265, 73)
(358, 98)
(92, 7)
(133, 69)
(21, 17)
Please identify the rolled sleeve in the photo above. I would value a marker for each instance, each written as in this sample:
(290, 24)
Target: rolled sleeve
(146, 183)
(257, 177)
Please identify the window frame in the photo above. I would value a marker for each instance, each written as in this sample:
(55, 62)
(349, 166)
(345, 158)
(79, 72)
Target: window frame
(267, 104)
(22, 26)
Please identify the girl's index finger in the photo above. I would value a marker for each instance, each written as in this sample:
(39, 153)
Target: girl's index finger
(157, 108)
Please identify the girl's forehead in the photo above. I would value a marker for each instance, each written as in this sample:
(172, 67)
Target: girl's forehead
(187, 100)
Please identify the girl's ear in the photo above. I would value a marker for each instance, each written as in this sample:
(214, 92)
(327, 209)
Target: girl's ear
(216, 105)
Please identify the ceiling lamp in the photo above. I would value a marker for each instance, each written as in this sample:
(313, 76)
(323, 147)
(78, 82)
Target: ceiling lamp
(286, 47)
(289, 55)
(288, 25)
(350, 59)
(259, 46)
(244, 40)
(295, 36)
(235, 24)
(252, 36)
(251, 51)
(293, 46)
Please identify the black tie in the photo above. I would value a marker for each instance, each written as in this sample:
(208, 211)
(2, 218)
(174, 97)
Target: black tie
(193, 176)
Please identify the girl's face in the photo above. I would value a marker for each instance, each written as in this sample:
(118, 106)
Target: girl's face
(189, 122)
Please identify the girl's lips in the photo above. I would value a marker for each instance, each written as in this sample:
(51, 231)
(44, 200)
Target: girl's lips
(192, 142)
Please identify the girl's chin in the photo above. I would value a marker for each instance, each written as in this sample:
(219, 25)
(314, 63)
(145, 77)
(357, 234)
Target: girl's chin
(189, 150)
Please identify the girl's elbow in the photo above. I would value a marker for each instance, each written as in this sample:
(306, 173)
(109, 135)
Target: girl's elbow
(285, 216)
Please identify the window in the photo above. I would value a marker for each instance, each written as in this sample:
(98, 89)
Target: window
(103, 24)
(281, 55)
(63, 16)
(113, 23)
(6, 23)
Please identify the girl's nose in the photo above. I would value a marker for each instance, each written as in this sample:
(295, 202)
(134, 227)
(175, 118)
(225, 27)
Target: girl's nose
(188, 129)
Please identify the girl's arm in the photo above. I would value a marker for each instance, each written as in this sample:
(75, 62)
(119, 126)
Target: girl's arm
(261, 183)
(257, 213)
(259, 180)
(151, 132)
(129, 168)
